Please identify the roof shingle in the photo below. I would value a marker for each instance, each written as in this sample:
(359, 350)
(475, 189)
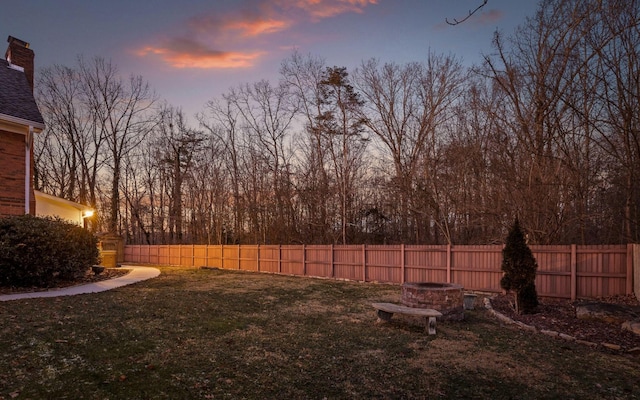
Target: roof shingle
(16, 97)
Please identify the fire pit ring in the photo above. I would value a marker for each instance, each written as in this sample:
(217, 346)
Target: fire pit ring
(448, 298)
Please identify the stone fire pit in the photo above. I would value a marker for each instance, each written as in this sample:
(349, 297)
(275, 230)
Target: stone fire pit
(444, 297)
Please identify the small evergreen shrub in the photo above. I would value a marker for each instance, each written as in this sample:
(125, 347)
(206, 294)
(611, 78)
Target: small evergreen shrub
(37, 251)
(519, 267)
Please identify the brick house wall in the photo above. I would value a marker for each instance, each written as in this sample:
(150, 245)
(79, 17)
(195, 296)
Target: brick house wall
(12, 173)
(20, 119)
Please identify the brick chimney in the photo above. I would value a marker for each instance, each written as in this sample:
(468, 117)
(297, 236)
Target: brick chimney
(18, 53)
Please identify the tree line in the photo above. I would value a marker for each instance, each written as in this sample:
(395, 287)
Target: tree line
(546, 128)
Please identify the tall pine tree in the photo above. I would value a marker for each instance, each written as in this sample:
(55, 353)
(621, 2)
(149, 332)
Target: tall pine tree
(519, 267)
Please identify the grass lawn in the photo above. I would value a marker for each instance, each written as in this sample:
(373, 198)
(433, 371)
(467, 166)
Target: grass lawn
(209, 334)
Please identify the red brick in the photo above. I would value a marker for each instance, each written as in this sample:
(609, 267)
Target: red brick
(12, 173)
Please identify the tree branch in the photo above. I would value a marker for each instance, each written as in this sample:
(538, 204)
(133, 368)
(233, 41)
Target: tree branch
(456, 22)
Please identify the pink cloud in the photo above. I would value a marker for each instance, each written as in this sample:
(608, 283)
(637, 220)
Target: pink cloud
(200, 45)
(331, 8)
(245, 24)
(489, 17)
(258, 27)
(186, 53)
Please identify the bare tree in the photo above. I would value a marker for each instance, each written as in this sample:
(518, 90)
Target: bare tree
(618, 43)
(546, 129)
(267, 113)
(208, 198)
(72, 135)
(406, 105)
(312, 181)
(341, 125)
(220, 120)
(175, 145)
(137, 214)
(122, 111)
(535, 74)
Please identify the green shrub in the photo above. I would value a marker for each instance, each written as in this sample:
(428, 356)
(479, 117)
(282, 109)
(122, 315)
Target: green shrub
(38, 251)
(519, 267)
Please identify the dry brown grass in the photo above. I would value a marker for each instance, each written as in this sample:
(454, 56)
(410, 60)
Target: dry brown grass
(221, 334)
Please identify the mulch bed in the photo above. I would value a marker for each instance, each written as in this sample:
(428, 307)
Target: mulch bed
(559, 315)
(89, 277)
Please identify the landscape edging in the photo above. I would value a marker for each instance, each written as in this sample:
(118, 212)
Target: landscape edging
(503, 318)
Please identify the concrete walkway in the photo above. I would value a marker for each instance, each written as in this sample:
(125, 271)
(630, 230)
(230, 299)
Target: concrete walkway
(137, 274)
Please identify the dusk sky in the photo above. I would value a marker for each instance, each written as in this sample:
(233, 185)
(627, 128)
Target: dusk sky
(194, 50)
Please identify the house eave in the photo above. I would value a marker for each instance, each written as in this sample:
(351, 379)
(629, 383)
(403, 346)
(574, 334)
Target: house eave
(60, 200)
(38, 126)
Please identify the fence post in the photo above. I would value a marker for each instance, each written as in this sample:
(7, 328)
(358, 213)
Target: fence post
(279, 258)
(629, 269)
(222, 256)
(332, 262)
(364, 263)
(304, 260)
(448, 262)
(238, 257)
(574, 270)
(258, 257)
(636, 269)
(402, 257)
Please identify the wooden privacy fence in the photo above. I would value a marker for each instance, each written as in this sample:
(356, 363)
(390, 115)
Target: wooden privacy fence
(569, 271)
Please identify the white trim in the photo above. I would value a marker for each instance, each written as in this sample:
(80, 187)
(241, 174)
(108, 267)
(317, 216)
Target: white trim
(27, 170)
(15, 67)
(22, 121)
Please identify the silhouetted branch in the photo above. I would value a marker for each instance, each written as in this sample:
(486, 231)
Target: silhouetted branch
(456, 22)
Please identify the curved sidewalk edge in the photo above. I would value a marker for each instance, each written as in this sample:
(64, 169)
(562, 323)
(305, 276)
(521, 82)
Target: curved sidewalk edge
(137, 274)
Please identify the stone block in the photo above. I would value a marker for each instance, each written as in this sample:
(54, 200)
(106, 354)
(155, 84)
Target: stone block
(632, 326)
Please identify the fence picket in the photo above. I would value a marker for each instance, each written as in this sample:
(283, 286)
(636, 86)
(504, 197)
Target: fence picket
(563, 271)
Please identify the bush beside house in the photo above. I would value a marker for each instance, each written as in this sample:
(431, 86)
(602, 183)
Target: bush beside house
(38, 251)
